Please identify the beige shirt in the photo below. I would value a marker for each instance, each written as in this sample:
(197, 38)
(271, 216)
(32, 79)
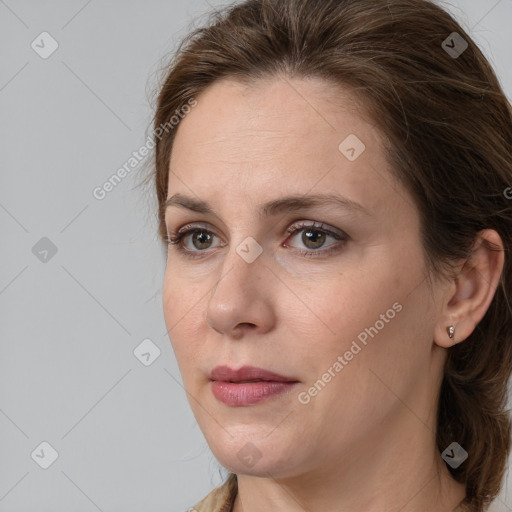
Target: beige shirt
(223, 497)
(220, 499)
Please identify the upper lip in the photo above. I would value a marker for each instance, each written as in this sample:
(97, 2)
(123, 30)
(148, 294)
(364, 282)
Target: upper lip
(227, 374)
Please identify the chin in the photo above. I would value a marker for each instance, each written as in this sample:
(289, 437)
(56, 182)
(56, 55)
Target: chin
(259, 458)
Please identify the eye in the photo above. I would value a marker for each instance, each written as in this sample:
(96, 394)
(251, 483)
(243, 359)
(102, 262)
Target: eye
(314, 237)
(191, 240)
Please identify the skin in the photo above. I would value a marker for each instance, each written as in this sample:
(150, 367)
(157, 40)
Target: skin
(366, 440)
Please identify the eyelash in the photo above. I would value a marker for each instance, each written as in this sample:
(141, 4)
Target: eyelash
(292, 230)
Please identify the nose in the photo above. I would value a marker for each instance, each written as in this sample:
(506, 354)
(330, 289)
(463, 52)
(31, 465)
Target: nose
(242, 300)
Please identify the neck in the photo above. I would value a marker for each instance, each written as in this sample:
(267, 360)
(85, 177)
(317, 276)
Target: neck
(402, 473)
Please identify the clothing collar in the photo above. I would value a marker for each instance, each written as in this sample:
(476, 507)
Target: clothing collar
(221, 499)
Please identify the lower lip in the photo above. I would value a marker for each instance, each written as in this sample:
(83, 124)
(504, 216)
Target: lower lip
(236, 394)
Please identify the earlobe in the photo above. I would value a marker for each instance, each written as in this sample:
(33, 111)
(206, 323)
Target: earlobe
(471, 292)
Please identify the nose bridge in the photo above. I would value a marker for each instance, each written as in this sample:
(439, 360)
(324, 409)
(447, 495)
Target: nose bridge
(242, 264)
(240, 294)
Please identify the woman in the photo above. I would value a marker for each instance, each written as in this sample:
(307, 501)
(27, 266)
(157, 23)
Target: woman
(336, 199)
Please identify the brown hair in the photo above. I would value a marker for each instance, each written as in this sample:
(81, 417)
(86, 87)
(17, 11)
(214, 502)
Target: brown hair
(449, 130)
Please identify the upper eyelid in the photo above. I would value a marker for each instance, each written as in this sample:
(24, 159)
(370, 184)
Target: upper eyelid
(299, 224)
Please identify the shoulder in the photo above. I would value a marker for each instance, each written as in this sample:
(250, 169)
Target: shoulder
(221, 499)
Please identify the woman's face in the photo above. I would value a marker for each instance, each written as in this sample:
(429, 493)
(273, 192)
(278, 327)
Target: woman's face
(340, 307)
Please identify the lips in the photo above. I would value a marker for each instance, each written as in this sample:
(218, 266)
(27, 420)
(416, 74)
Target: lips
(246, 374)
(248, 385)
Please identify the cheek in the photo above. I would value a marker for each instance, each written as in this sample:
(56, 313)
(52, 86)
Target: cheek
(182, 307)
(181, 294)
(370, 310)
(171, 304)
(356, 302)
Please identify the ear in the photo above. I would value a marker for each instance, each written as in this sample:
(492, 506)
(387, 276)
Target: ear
(470, 293)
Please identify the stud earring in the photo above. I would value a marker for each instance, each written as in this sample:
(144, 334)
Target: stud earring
(451, 331)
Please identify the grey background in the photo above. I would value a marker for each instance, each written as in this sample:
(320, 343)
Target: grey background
(125, 436)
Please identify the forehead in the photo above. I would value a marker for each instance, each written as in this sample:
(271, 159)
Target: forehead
(275, 108)
(280, 135)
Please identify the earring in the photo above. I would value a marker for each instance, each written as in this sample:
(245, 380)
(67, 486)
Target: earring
(451, 331)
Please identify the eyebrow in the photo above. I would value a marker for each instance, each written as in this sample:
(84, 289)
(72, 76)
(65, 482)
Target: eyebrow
(275, 207)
